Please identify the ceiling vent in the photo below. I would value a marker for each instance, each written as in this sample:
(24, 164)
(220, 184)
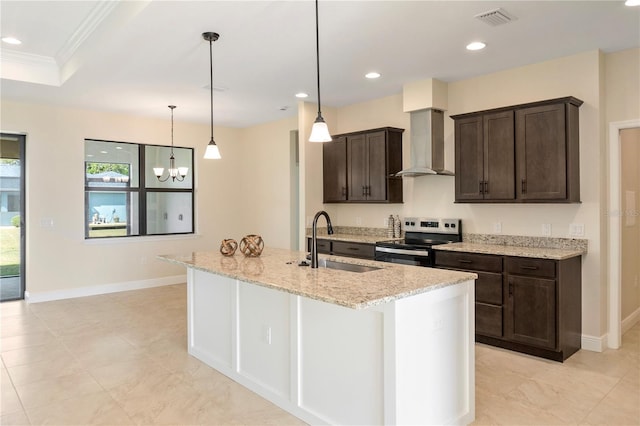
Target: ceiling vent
(495, 17)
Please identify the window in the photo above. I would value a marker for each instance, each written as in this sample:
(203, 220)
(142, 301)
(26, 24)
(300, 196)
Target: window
(123, 197)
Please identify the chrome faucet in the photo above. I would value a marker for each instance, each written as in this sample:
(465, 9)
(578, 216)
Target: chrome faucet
(314, 240)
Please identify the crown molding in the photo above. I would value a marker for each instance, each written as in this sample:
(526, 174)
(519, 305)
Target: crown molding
(84, 31)
(29, 68)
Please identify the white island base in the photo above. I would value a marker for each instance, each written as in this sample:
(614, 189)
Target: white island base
(408, 361)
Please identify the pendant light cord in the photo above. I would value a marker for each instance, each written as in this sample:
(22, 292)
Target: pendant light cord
(318, 59)
(172, 108)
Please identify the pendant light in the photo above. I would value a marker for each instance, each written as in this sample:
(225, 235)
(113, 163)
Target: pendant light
(175, 173)
(319, 131)
(212, 151)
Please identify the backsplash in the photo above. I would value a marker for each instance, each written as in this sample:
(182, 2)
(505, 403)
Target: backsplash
(524, 241)
(354, 230)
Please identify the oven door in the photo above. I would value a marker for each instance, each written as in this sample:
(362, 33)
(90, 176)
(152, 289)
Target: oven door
(405, 256)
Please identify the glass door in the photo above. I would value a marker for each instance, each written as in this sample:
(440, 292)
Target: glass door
(12, 202)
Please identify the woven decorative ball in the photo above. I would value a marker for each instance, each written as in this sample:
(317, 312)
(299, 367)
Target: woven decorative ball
(228, 247)
(251, 245)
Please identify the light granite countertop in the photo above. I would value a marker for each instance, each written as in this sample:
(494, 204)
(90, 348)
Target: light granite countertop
(278, 269)
(507, 250)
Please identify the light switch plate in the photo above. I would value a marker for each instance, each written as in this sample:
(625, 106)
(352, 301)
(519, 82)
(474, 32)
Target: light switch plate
(497, 227)
(546, 229)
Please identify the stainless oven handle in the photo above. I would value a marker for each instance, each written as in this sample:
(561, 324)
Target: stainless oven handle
(421, 253)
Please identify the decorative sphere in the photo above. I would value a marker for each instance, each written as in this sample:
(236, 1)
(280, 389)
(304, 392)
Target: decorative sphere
(251, 245)
(228, 247)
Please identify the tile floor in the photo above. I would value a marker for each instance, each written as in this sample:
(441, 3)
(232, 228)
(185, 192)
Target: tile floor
(121, 359)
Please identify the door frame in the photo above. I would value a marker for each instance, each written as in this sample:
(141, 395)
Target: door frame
(23, 207)
(614, 336)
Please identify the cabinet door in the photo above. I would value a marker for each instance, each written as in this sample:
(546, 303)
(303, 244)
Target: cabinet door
(377, 186)
(499, 156)
(469, 158)
(334, 168)
(357, 167)
(541, 153)
(531, 311)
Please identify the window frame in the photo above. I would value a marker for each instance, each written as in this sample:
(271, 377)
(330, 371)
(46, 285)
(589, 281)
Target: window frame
(141, 190)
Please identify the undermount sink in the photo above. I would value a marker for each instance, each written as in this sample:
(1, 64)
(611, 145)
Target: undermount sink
(351, 267)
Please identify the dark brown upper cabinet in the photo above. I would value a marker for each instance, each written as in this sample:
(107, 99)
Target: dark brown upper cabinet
(360, 167)
(485, 154)
(334, 165)
(522, 153)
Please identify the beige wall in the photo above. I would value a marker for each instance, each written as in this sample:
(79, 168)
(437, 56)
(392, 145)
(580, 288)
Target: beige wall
(622, 85)
(630, 224)
(235, 196)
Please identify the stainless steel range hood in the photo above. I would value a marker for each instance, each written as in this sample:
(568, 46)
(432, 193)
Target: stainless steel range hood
(427, 144)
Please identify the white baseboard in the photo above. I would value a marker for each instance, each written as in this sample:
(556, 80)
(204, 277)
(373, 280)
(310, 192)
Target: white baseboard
(630, 321)
(48, 296)
(593, 343)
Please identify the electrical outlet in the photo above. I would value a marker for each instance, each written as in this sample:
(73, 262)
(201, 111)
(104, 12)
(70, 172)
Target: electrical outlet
(358, 221)
(546, 229)
(309, 221)
(267, 334)
(385, 222)
(497, 227)
(576, 229)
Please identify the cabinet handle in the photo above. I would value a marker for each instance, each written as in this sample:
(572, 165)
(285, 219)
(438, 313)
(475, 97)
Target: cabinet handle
(481, 188)
(364, 190)
(510, 289)
(530, 268)
(464, 261)
(344, 190)
(353, 248)
(486, 187)
(524, 186)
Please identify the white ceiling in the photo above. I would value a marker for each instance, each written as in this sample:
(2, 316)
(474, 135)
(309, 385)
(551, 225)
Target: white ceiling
(137, 57)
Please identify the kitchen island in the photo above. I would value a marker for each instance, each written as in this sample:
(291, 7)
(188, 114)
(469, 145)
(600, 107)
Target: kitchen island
(393, 345)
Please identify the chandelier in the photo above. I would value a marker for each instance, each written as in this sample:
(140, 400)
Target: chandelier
(175, 173)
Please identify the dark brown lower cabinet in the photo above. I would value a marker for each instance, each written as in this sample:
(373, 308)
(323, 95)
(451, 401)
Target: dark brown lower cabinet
(524, 304)
(345, 248)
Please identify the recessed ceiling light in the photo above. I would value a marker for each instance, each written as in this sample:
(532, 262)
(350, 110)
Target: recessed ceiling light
(476, 45)
(632, 3)
(103, 152)
(372, 75)
(301, 95)
(89, 155)
(11, 40)
(118, 147)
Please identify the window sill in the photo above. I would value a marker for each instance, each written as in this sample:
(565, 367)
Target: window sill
(141, 239)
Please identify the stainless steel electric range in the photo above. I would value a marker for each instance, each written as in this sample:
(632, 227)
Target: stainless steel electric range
(421, 234)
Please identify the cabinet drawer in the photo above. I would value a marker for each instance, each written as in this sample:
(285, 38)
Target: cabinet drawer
(324, 246)
(531, 267)
(489, 288)
(470, 261)
(488, 320)
(361, 250)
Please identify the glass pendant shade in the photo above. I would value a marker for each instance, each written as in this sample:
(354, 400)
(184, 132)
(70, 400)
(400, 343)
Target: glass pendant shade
(320, 131)
(212, 152)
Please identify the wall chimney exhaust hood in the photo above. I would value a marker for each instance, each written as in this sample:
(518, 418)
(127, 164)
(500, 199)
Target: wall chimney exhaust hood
(427, 144)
